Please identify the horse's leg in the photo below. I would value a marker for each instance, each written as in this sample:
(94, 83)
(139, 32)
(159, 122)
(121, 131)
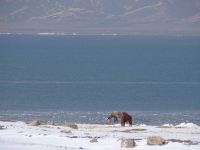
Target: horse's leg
(110, 119)
(115, 119)
(130, 121)
(123, 121)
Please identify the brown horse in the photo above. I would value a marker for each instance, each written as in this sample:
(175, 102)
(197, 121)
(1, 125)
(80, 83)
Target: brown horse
(123, 116)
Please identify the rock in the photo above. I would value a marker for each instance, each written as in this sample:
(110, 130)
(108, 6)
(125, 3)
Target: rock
(66, 131)
(128, 143)
(186, 142)
(1, 127)
(35, 123)
(73, 126)
(93, 140)
(155, 140)
(134, 130)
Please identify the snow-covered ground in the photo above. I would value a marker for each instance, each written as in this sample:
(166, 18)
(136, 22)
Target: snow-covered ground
(21, 136)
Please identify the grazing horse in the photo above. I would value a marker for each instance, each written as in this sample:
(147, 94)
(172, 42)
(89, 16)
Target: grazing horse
(123, 116)
(115, 115)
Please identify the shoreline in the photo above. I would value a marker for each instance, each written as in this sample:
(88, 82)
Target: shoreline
(155, 118)
(25, 136)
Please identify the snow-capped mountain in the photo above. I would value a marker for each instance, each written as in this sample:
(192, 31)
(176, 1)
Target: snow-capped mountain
(101, 16)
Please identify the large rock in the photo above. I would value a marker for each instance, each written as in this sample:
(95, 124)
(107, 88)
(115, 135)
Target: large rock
(73, 126)
(155, 140)
(128, 143)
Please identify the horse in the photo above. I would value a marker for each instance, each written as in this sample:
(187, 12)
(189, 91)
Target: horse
(123, 116)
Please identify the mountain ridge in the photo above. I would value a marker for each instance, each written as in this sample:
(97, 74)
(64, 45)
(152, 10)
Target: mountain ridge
(100, 16)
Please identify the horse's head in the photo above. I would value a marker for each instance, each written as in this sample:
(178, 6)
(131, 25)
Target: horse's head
(112, 116)
(109, 119)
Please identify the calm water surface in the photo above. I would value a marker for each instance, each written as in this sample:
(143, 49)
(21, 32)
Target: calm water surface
(99, 73)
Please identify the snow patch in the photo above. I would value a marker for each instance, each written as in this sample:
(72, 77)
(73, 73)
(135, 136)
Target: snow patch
(18, 135)
(186, 125)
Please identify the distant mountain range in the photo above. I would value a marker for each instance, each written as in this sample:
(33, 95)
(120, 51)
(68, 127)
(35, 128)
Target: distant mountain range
(100, 16)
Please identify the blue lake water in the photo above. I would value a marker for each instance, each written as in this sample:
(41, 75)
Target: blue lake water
(99, 73)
